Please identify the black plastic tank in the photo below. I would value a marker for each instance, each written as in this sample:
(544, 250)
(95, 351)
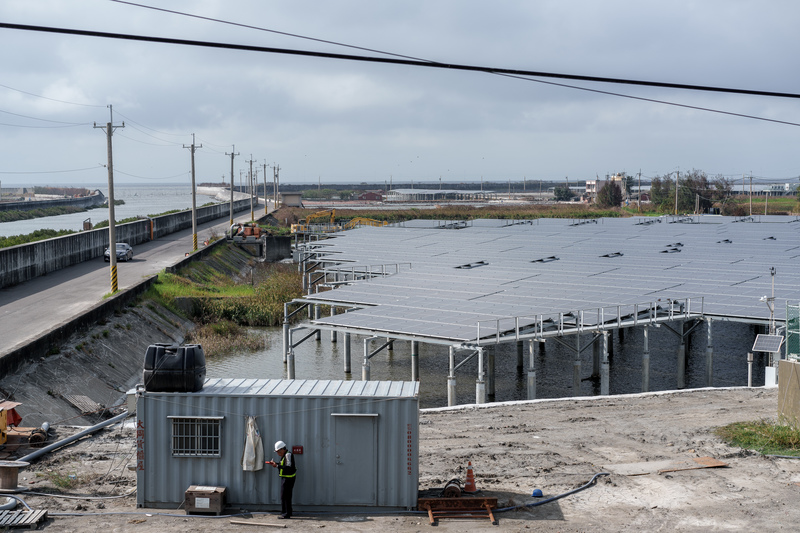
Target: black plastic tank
(173, 368)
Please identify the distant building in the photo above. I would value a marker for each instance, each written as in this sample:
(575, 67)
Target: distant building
(593, 187)
(292, 199)
(371, 196)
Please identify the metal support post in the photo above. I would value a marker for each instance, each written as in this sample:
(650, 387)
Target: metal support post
(520, 355)
(709, 356)
(414, 360)
(682, 358)
(749, 369)
(317, 315)
(365, 365)
(285, 331)
(576, 368)
(333, 331)
(346, 353)
(596, 358)
(451, 379)
(290, 364)
(531, 373)
(490, 371)
(480, 385)
(604, 367)
(646, 360)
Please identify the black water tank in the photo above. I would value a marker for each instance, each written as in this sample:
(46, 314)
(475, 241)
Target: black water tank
(173, 368)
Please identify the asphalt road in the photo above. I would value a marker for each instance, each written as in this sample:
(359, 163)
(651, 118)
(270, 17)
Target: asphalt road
(29, 309)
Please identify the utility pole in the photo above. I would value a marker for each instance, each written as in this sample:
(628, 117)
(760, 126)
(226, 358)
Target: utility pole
(250, 180)
(232, 154)
(266, 202)
(751, 194)
(276, 182)
(112, 236)
(192, 149)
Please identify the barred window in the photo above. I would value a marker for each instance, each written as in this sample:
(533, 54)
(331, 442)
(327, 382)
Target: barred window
(196, 436)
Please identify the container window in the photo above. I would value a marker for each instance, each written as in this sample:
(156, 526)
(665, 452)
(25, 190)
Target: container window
(196, 436)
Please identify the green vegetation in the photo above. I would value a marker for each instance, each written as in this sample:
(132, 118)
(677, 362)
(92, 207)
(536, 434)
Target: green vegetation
(104, 223)
(15, 215)
(38, 235)
(763, 436)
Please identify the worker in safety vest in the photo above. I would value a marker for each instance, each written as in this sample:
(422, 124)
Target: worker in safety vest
(287, 472)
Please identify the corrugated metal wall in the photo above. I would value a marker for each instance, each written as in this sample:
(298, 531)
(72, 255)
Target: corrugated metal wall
(299, 412)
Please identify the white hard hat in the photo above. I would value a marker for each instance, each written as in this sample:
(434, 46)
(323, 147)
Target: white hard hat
(280, 445)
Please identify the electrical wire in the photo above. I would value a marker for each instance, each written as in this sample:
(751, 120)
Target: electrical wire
(47, 171)
(46, 98)
(652, 100)
(46, 120)
(394, 61)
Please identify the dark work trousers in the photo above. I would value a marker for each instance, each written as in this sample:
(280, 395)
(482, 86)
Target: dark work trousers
(287, 486)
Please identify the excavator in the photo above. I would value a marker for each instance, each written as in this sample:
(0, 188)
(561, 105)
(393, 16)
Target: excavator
(304, 225)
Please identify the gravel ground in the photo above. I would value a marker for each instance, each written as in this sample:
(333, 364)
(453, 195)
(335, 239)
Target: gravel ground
(552, 445)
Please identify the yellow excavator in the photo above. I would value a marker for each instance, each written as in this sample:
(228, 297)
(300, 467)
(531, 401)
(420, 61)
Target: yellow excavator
(362, 221)
(304, 225)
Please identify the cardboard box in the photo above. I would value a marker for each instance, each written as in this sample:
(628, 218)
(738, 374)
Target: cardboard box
(204, 499)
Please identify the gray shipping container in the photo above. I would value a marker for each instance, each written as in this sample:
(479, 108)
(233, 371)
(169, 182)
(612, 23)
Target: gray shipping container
(359, 439)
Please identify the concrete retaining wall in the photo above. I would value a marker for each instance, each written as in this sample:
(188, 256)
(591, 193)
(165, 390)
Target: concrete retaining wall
(58, 335)
(85, 201)
(27, 261)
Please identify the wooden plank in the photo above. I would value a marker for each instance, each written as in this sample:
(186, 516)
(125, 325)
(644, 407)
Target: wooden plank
(659, 467)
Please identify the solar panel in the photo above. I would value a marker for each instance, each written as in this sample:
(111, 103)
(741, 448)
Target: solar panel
(417, 288)
(768, 343)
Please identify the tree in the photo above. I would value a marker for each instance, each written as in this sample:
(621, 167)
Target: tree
(562, 194)
(610, 195)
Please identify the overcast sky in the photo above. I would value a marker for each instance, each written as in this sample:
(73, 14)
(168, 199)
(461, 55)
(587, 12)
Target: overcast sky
(343, 121)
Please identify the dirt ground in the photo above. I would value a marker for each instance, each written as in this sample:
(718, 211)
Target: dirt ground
(552, 445)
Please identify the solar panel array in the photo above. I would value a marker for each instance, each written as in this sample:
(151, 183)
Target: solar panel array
(492, 269)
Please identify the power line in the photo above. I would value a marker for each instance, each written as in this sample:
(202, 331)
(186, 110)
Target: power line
(395, 61)
(51, 99)
(221, 21)
(50, 171)
(277, 32)
(44, 119)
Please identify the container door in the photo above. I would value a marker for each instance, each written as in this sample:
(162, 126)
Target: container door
(356, 459)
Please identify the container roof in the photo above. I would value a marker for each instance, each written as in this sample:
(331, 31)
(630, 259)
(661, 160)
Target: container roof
(318, 388)
(449, 280)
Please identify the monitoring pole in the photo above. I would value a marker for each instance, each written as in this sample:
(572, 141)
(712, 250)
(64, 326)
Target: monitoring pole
(192, 149)
(252, 215)
(751, 194)
(112, 236)
(232, 154)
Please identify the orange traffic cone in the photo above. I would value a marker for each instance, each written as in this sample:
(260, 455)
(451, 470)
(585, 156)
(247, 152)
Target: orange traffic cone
(469, 486)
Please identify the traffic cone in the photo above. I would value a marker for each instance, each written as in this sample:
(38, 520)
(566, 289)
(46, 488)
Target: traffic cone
(469, 486)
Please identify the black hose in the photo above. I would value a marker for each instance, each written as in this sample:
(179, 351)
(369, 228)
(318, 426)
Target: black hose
(554, 498)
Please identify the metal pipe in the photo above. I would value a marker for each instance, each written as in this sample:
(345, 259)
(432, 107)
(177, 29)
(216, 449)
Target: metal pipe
(88, 431)
(646, 360)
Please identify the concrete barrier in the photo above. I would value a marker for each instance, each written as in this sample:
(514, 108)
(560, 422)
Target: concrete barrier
(26, 261)
(58, 335)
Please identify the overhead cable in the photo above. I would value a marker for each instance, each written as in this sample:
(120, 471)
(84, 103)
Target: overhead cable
(394, 61)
